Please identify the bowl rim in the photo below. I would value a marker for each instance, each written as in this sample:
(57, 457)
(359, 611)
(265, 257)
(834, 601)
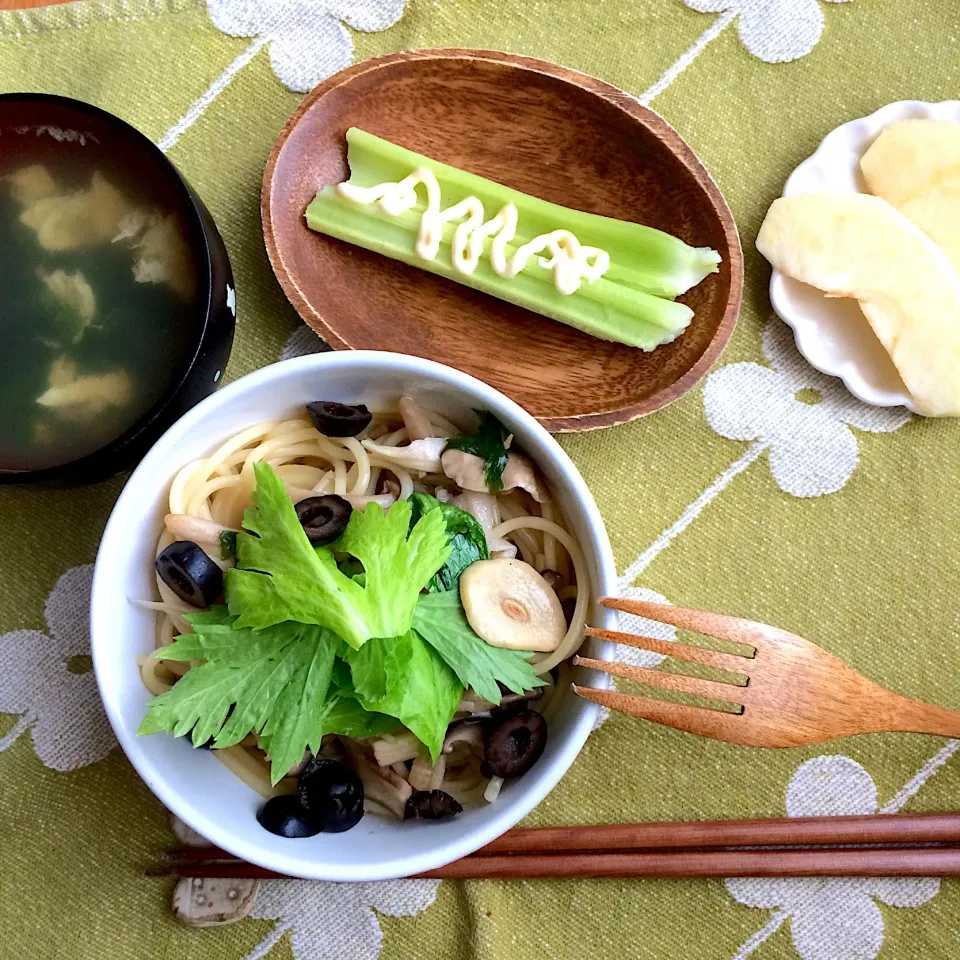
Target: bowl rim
(605, 91)
(95, 461)
(102, 600)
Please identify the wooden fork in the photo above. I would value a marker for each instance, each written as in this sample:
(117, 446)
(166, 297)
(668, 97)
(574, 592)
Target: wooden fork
(794, 693)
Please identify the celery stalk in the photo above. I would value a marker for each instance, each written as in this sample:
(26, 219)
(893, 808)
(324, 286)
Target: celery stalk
(629, 304)
(662, 264)
(646, 323)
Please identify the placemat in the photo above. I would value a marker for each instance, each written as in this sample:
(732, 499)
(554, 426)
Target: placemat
(816, 513)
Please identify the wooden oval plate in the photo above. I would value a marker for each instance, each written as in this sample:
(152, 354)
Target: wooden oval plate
(540, 128)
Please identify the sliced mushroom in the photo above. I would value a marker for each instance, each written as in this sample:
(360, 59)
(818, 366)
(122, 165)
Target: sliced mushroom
(466, 470)
(514, 745)
(431, 805)
(519, 473)
(425, 775)
(420, 455)
(384, 786)
(510, 605)
(388, 751)
(471, 733)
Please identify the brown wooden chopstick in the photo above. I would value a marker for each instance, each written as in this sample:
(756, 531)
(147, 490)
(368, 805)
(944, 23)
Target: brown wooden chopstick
(681, 849)
(863, 862)
(898, 828)
(867, 862)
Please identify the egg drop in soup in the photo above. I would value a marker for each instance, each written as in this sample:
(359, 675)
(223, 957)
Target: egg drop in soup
(101, 301)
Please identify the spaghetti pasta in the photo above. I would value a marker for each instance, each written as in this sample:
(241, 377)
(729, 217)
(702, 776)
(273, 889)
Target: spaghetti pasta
(208, 496)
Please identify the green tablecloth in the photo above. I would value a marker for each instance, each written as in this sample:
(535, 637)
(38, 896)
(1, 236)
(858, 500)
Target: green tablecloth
(768, 492)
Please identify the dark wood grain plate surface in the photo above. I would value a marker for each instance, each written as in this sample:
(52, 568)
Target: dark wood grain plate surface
(540, 128)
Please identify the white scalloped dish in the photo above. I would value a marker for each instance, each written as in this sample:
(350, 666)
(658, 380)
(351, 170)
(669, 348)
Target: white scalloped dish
(832, 333)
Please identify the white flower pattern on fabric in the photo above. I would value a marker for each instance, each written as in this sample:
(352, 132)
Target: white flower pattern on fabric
(812, 449)
(335, 921)
(773, 30)
(307, 38)
(629, 623)
(59, 705)
(834, 918)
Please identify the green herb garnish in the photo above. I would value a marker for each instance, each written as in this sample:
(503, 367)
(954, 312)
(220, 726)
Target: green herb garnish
(405, 678)
(280, 576)
(275, 680)
(440, 620)
(490, 444)
(228, 544)
(302, 649)
(468, 542)
(347, 718)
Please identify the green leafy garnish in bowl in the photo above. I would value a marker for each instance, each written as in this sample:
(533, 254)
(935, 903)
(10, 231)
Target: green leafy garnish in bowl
(490, 444)
(468, 542)
(280, 576)
(301, 649)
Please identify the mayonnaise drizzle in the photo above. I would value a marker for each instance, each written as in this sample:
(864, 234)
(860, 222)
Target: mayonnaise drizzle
(571, 261)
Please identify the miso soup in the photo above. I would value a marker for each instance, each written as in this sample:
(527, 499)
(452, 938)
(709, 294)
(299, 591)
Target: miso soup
(101, 304)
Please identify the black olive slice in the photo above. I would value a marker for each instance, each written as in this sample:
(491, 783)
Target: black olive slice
(324, 518)
(331, 795)
(285, 817)
(190, 573)
(339, 419)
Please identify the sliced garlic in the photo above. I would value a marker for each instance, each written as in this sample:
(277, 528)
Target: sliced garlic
(510, 605)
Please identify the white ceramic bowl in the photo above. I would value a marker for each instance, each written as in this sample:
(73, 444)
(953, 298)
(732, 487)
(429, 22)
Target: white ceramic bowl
(192, 783)
(833, 333)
